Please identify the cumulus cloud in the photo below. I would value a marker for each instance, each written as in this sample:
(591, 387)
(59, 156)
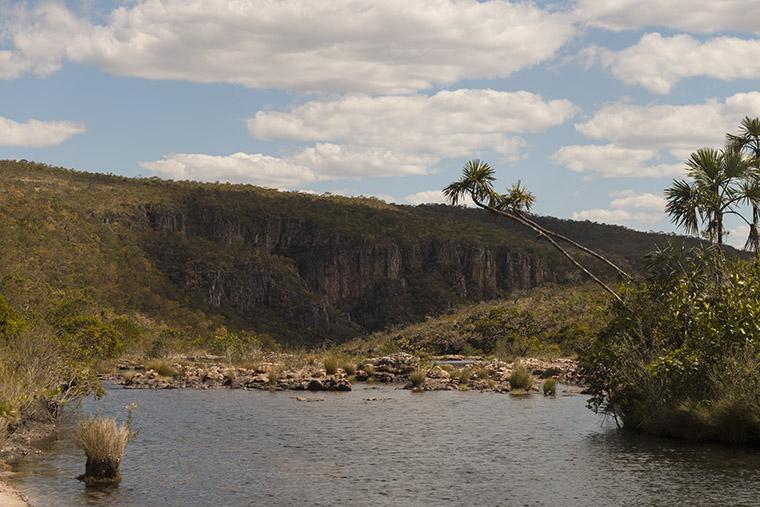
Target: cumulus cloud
(411, 133)
(611, 161)
(36, 133)
(627, 199)
(393, 46)
(356, 136)
(627, 207)
(236, 168)
(704, 16)
(657, 63)
(653, 141)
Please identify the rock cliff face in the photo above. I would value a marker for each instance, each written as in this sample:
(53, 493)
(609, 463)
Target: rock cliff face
(328, 281)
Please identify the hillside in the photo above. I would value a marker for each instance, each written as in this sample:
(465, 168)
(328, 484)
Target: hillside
(300, 267)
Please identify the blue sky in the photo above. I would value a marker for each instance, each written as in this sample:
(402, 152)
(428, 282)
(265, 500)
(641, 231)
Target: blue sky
(593, 104)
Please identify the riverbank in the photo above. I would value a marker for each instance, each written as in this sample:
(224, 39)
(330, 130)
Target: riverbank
(281, 372)
(20, 443)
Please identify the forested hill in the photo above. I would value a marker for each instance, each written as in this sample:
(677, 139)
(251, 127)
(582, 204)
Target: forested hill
(300, 267)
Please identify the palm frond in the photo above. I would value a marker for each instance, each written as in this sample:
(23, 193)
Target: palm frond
(683, 205)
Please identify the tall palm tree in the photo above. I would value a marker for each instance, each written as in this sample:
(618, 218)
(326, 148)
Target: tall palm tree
(477, 183)
(719, 185)
(748, 140)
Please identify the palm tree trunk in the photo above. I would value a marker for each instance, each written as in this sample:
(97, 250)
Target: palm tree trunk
(541, 232)
(577, 245)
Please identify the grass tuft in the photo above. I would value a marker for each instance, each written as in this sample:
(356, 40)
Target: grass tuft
(418, 377)
(550, 387)
(349, 367)
(520, 378)
(163, 368)
(102, 438)
(331, 364)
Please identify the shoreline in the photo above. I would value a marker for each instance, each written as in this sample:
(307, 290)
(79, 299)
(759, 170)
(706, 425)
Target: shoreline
(20, 443)
(274, 374)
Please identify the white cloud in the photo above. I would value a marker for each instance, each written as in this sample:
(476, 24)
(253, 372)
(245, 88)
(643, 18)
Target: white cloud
(627, 207)
(318, 163)
(704, 16)
(612, 161)
(236, 168)
(657, 63)
(432, 197)
(352, 161)
(737, 236)
(409, 134)
(393, 46)
(653, 141)
(36, 133)
(626, 199)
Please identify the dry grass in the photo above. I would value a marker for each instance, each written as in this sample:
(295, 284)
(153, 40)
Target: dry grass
(102, 438)
(3, 431)
(163, 368)
(418, 377)
(128, 375)
(331, 363)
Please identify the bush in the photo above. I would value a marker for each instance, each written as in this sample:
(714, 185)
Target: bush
(331, 363)
(520, 378)
(369, 369)
(550, 387)
(680, 358)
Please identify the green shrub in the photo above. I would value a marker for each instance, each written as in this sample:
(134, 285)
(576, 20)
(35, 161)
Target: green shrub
(520, 378)
(680, 358)
(550, 387)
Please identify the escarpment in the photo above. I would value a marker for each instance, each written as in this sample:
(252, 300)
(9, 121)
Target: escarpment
(326, 281)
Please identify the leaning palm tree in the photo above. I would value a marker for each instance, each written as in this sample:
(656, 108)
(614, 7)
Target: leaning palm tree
(477, 183)
(719, 185)
(748, 140)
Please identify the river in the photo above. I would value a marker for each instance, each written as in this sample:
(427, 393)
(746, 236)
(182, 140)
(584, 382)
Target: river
(234, 447)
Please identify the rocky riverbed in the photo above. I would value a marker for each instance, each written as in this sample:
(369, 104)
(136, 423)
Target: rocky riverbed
(441, 373)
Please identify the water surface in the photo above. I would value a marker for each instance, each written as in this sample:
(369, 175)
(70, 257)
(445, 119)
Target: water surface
(232, 447)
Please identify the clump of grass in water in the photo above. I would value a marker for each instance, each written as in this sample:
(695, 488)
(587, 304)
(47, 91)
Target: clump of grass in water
(520, 378)
(417, 378)
(163, 368)
(550, 387)
(331, 364)
(103, 441)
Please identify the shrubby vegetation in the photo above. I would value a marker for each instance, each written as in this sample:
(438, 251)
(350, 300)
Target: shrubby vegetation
(547, 322)
(681, 357)
(48, 359)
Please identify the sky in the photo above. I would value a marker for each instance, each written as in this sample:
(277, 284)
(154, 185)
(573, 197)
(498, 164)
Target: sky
(593, 104)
